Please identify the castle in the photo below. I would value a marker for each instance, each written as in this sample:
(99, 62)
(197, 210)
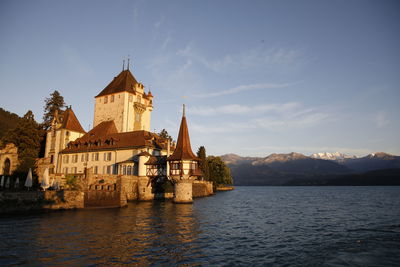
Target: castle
(120, 149)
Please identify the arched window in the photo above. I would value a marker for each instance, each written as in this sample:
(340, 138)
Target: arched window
(6, 168)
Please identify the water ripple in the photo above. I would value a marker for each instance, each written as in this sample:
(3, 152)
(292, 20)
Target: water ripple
(257, 226)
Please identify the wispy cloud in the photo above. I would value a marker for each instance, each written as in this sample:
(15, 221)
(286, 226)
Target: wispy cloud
(234, 109)
(255, 57)
(271, 123)
(380, 119)
(242, 88)
(159, 22)
(166, 41)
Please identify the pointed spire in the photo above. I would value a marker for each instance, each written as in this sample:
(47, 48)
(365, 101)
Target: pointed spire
(183, 150)
(128, 62)
(123, 64)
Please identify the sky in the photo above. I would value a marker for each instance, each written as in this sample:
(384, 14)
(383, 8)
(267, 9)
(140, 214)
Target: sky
(257, 77)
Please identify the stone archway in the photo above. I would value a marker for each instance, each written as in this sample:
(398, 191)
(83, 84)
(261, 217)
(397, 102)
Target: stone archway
(6, 168)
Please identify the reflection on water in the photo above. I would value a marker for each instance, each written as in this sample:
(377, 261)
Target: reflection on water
(282, 226)
(143, 233)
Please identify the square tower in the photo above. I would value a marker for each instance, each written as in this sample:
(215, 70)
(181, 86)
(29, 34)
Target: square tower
(124, 102)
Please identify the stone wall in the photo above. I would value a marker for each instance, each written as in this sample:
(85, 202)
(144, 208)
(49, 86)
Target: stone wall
(202, 188)
(104, 198)
(39, 200)
(130, 187)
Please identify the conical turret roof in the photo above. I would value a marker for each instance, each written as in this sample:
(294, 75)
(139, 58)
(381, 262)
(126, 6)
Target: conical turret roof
(183, 150)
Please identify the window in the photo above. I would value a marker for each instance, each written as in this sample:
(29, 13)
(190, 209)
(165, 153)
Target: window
(66, 170)
(129, 170)
(74, 170)
(175, 166)
(82, 157)
(105, 99)
(66, 158)
(112, 98)
(95, 156)
(124, 170)
(75, 158)
(87, 156)
(109, 169)
(95, 169)
(107, 156)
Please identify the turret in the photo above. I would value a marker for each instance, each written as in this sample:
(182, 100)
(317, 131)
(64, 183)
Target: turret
(183, 165)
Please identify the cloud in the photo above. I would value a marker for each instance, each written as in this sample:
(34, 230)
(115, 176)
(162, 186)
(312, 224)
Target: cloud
(159, 22)
(251, 58)
(242, 88)
(166, 41)
(234, 109)
(274, 123)
(380, 119)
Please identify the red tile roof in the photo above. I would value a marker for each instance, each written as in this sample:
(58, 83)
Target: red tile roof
(183, 150)
(123, 82)
(70, 122)
(105, 137)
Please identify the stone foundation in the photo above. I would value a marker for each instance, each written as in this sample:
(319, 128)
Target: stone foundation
(39, 200)
(202, 189)
(145, 190)
(183, 191)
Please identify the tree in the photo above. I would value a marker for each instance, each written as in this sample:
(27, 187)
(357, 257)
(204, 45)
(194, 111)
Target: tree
(26, 136)
(164, 134)
(201, 153)
(52, 103)
(219, 171)
(8, 121)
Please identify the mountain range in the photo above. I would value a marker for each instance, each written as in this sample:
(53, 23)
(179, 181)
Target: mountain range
(318, 169)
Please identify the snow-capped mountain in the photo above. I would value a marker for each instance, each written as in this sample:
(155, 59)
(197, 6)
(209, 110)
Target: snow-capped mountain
(332, 156)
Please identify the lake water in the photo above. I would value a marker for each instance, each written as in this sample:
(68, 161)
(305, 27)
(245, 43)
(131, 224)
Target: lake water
(254, 226)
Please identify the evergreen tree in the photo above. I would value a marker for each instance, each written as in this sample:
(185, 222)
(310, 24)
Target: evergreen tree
(201, 153)
(164, 134)
(219, 171)
(52, 103)
(26, 136)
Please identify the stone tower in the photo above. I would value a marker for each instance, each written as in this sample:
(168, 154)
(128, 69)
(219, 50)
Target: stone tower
(183, 165)
(125, 102)
(64, 128)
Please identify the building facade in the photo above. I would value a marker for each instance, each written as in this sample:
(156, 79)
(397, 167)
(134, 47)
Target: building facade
(120, 153)
(121, 132)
